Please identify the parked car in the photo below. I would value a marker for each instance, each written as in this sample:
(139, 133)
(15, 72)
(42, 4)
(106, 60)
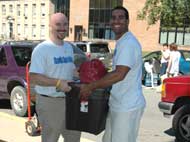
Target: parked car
(175, 100)
(155, 56)
(13, 58)
(96, 49)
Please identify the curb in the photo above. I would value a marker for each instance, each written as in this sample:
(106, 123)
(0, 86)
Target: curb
(12, 117)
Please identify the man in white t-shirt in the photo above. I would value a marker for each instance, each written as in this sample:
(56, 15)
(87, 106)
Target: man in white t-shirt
(51, 68)
(126, 99)
(164, 59)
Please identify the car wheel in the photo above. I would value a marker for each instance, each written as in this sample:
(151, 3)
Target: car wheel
(181, 123)
(19, 101)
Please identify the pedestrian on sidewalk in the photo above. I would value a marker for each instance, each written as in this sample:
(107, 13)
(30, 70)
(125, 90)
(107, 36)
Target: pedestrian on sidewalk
(126, 99)
(52, 66)
(149, 69)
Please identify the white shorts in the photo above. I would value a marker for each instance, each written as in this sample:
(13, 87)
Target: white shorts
(122, 126)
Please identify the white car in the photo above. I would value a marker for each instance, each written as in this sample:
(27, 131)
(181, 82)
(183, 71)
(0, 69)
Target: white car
(96, 49)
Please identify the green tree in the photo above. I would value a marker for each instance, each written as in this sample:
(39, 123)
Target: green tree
(170, 12)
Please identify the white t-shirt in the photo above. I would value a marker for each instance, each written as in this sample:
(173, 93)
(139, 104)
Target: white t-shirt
(127, 94)
(148, 67)
(52, 61)
(166, 54)
(175, 58)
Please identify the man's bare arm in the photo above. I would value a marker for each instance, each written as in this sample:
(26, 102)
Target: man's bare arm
(42, 80)
(111, 78)
(115, 76)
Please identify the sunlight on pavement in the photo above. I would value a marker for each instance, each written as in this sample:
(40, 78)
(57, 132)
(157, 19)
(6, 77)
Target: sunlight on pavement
(12, 117)
(81, 140)
(23, 120)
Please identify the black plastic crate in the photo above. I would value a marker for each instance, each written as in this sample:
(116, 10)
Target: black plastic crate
(90, 119)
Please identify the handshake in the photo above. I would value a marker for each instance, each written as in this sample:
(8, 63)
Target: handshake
(81, 90)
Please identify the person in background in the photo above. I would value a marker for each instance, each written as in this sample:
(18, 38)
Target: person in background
(149, 69)
(126, 103)
(173, 64)
(164, 59)
(52, 66)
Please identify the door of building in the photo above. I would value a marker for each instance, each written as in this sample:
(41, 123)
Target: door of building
(78, 33)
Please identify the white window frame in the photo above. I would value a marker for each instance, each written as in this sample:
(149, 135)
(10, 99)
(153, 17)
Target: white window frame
(26, 10)
(43, 9)
(18, 29)
(33, 9)
(34, 31)
(26, 30)
(18, 10)
(42, 31)
(3, 8)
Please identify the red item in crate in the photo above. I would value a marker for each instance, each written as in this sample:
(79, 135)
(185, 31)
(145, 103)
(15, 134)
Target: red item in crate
(91, 71)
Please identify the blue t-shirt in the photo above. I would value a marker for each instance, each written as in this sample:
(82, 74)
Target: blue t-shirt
(52, 61)
(127, 94)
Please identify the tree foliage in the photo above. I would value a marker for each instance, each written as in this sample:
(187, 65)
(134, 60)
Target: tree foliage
(170, 12)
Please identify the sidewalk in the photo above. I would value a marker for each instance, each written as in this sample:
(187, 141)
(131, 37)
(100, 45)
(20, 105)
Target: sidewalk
(154, 127)
(12, 129)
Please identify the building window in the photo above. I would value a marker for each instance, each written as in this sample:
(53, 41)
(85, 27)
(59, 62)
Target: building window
(34, 31)
(187, 36)
(18, 10)
(99, 17)
(42, 31)
(178, 34)
(62, 6)
(33, 9)
(3, 10)
(3, 30)
(18, 29)
(25, 31)
(43, 9)
(26, 11)
(11, 8)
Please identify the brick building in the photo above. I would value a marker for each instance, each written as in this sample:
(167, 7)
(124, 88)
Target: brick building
(88, 20)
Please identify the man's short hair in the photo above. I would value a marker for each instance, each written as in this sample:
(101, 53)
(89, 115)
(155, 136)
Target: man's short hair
(165, 44)
(122, 8)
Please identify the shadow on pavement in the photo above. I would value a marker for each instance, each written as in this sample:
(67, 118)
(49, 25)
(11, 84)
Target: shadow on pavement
(5, 104)
(2, 141)
(170, 132)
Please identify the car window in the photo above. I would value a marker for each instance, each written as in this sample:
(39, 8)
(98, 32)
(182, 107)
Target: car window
(186, 55)
(3, 59)
(82, 47)
(155, 55)
(22, 55)
(79, 55)
(99, 48)
(77, 50)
